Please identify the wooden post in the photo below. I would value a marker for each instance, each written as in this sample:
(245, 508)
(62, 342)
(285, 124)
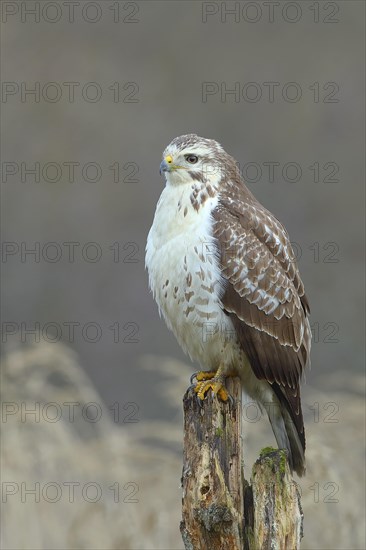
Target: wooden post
(278, 516)
(220, 510)
(212, 483)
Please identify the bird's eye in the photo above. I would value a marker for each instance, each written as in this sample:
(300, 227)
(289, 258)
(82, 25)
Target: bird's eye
(192, 159)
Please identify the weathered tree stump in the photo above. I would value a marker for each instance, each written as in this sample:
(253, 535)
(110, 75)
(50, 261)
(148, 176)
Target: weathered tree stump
(212, 485)
(278, 516)
(220, 510)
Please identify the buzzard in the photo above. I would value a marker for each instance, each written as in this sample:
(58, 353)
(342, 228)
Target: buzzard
(223, 273)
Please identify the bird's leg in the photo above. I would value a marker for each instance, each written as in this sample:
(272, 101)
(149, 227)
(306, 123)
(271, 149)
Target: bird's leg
(214, 381)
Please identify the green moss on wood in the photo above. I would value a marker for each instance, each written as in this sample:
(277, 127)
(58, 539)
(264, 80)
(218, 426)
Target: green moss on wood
(219, 432)
(266, 451)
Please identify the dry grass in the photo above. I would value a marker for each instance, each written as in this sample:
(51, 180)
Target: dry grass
(148, 457)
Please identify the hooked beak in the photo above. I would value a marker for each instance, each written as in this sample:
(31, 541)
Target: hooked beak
(167, 165)
(164, 167)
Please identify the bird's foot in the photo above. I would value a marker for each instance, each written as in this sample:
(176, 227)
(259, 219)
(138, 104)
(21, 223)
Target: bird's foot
(203, 375)
(214, 383)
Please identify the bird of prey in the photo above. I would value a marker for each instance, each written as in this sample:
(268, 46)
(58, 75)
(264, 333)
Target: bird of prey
(224, 276)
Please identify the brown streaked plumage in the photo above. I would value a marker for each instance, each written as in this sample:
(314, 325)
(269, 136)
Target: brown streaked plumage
(262, 268)
(233, 266)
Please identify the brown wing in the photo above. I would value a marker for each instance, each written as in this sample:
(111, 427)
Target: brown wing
(264, 294)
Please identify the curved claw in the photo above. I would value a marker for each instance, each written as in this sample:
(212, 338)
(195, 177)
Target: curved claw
(194, 375)
(216, 385)
(199, 401)
(210, 380)
(193, 387)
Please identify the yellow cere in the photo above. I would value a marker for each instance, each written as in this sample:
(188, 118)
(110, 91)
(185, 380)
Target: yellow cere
(169, 159)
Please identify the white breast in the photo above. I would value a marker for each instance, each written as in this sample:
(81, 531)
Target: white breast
(185, 277)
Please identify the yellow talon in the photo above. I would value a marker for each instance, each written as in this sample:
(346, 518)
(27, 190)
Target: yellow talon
(205, 375)
(215, 384)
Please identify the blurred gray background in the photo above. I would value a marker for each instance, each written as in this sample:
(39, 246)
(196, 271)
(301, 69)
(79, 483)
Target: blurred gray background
(152, 63)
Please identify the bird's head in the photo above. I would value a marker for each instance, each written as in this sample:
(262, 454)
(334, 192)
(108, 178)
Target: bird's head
(191, 158)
